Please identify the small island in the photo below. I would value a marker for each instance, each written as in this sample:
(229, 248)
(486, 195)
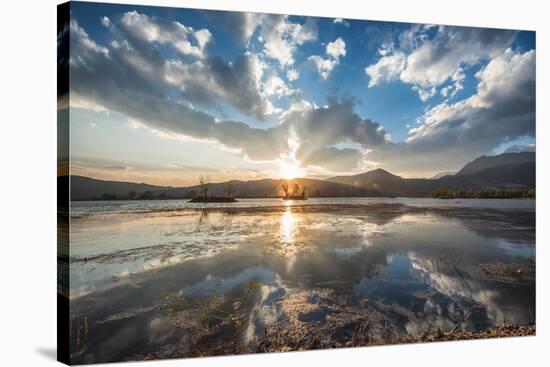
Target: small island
(298, 193)
(204, 197)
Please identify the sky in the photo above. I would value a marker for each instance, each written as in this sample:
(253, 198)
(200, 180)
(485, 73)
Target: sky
(164, 95)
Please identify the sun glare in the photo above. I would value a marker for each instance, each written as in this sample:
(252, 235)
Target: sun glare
(290, 170)
(290, 166)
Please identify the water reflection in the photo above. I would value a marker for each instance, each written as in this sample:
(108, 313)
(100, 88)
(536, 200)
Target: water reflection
(288, 227)
(322, 271)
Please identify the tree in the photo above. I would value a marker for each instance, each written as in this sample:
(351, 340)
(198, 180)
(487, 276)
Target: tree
(107, 196)
(296, 189)
(147, 195)
(304, 194)
(132, 195)
(204, 186)
(228, 189)
(191, 194)
(284, 186)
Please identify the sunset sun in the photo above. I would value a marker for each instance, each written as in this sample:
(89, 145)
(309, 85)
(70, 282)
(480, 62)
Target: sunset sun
(290, 170)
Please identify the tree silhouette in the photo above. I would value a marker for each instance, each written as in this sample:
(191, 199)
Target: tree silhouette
(295, 190)
(204, 185)
(228, 189)
(285, 187)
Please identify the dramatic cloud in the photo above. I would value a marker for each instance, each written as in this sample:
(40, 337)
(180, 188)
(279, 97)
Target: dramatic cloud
(334, 51)
(240, 24)
(278, 36)
(318, 129)
(427, 63)
(239, 83)
(174, 34)
(115, 80)
(281, 37)
(124, 79)
(201, 80)
(334, 123)
(160, 76)
(330, 158)
(502, 110)
(387, 69)
(275, 86)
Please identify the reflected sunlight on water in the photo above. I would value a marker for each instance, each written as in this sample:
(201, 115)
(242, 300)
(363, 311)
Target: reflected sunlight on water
(288, 227)
(318, 269)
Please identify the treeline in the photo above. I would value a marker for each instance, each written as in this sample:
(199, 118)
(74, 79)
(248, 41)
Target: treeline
(485, 194)
(294, 193)
(146, 195)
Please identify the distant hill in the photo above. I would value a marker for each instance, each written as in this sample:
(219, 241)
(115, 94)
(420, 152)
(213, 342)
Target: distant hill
(504, 171)
(387, 183)
(485, 162)
(86, 188)
(441, 174)
(509, 170)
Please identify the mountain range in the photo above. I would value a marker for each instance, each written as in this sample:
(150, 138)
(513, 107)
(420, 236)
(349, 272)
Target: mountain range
(504, 171)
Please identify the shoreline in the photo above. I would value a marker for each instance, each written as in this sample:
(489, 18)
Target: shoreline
(307, 207)
(272, 344)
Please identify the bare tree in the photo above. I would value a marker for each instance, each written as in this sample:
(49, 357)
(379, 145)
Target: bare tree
(296, 189)
(204, 184)
(228, 189)
(304, 194)
(284, 186)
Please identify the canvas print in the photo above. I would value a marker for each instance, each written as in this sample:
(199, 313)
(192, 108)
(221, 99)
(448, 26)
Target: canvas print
(233, 183)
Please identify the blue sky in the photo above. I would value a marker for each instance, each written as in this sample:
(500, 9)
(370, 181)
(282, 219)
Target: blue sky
(163, 95)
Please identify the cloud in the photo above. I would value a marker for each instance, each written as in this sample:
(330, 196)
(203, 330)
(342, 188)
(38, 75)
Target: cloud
(239, 83)
(86, 45)
(330, 158)
(458, 84)
(281, 37)
(521, 148)
(318, 129)
(334, 51)
(336, 48)
(341, 21)
(426, 63)
(105, 21)
(117, 168)
(125, 80)
(292, 75)
(241, 25)
(202, 81)
(449, 134)
(275, 86)
(324, 66)
(188, 168)
(387, 69)
(177, 96)
(184, 39)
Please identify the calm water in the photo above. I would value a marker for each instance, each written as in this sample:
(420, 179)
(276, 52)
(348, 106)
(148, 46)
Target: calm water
(92, 207)
(165, 279)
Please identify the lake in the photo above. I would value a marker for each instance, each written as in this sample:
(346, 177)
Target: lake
(164, 279)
